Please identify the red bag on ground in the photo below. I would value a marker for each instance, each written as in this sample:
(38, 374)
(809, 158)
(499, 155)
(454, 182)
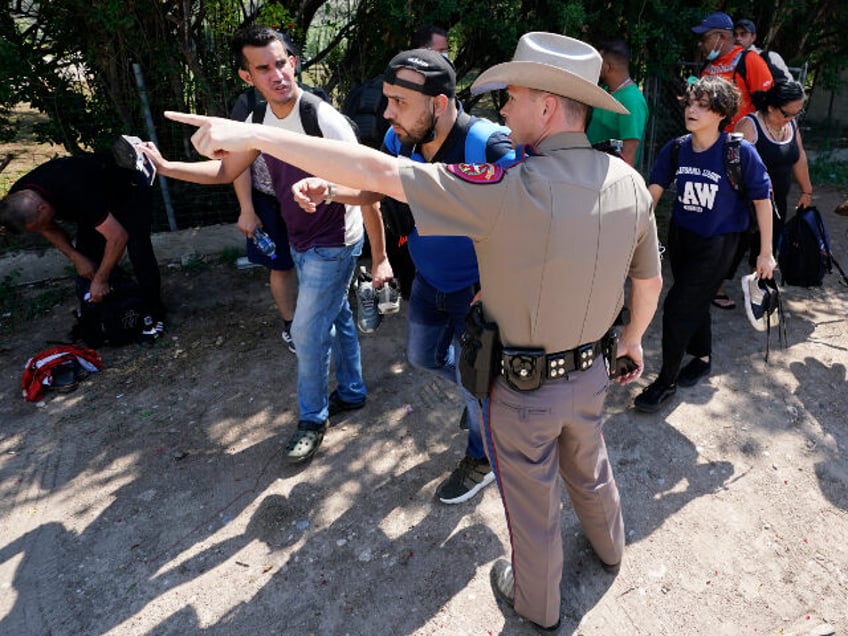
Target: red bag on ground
(58, 367)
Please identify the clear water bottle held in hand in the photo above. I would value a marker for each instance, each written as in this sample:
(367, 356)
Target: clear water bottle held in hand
(265, 244)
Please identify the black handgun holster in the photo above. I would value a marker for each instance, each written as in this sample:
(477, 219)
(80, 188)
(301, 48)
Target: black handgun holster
(479, 353)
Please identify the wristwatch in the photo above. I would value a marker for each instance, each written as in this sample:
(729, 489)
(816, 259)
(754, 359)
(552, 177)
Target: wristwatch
(331, 193)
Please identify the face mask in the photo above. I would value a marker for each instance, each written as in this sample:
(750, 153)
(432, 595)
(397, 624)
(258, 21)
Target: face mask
(714, 53)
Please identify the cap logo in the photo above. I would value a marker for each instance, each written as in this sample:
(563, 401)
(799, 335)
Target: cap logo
(419, 62)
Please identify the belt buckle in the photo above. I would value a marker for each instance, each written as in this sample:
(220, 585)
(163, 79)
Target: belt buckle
(584, 356)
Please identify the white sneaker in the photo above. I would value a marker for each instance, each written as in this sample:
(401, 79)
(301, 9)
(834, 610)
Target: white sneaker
(368, 317)
(388, 298)
(761, 301)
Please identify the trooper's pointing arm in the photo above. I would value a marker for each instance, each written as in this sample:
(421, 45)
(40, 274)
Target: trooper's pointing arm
(348, 164)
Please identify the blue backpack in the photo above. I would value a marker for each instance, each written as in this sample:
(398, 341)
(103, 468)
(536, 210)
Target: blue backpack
(804, 255)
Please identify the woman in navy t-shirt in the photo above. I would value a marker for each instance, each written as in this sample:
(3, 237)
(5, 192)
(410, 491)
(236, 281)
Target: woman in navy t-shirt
(708, 220)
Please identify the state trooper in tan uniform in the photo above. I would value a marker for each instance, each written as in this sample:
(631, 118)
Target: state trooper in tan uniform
(556, 236)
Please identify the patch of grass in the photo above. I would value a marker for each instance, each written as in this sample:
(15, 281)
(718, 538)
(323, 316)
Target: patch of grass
(229, 256)
(10, 299)
(19, 304)
(45, 301)
(193, 263)
(827, 171)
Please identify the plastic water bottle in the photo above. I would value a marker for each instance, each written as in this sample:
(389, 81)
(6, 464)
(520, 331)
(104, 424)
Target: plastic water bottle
(265, 244)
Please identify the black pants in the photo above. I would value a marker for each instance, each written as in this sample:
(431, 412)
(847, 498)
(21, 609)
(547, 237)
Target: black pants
(134, 212)
(698, 265)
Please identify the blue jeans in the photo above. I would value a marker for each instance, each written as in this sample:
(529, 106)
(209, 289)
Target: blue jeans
(324, 325)
(436, 322)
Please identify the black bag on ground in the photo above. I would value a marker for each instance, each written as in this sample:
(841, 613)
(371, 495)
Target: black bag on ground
(804, 256)
(116, 320)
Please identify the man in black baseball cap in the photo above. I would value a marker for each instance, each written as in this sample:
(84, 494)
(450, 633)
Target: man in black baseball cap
(428, 125)
(437, 72)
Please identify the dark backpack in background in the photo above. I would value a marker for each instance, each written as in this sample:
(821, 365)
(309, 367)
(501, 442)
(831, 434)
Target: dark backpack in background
(116, 320)
(804, 256)
(364, 106)
(777, 73)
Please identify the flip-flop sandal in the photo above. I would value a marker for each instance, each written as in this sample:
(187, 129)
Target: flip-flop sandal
(723, 301)
(303, 444)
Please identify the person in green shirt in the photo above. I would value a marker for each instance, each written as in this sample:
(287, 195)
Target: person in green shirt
(615, 77)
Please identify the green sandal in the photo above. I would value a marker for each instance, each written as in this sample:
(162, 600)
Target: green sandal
(303, 444)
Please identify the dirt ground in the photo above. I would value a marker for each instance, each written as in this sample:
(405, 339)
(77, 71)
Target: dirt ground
(153, 500)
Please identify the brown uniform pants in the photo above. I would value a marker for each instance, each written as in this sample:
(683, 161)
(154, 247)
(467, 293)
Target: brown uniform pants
(531, 437)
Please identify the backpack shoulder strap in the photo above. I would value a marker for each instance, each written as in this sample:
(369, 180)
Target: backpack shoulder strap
(477, 139)
(739, 65)
(258, 111)
(733, 162)
(309, 113)
(675, 152)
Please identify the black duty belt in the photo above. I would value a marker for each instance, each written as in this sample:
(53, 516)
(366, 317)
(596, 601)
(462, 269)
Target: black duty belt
(527, 369)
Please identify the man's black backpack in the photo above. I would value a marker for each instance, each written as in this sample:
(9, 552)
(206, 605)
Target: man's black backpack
(778, 74)
(249, 102)
(365, 105)
(804, 255)
(116, 320)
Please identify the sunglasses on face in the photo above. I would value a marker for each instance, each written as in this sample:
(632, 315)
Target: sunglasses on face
(786, 115)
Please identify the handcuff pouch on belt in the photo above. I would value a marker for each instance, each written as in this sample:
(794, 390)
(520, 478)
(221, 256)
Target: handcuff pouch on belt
(479, 353)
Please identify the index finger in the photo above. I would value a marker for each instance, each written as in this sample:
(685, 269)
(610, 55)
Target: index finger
(187, 118)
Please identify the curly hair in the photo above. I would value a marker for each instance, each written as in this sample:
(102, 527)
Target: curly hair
(722, 97)
(780, 94)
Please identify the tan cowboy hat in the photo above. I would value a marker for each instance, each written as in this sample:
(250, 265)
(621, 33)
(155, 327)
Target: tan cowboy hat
(555, 64)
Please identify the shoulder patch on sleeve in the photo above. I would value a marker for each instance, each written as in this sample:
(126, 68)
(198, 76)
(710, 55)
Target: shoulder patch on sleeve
(482, 173)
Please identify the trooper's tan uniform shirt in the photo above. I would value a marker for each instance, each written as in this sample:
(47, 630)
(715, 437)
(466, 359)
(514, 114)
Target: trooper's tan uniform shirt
(555, 238)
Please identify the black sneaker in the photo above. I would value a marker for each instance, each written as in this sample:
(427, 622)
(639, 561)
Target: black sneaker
(469, 478)
(338, 405)
(694, 370)
(287, 339)
(149, 333)
(651, 399)
(463, 420)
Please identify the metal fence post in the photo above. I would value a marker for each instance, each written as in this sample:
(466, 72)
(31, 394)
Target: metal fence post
(151, 131)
